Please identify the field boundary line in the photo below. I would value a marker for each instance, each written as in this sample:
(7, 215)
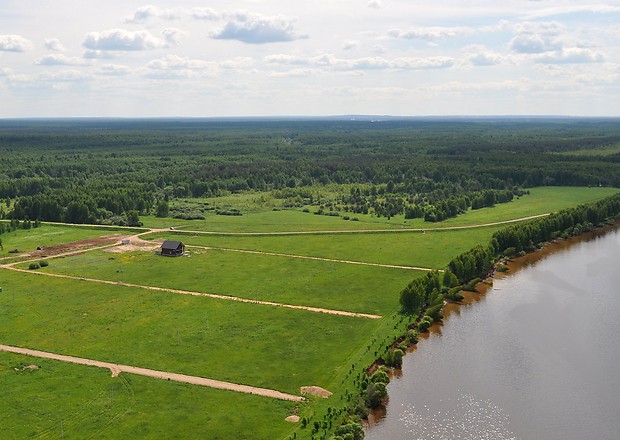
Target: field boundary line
(116, 369)
(308, 257)
(193, 293)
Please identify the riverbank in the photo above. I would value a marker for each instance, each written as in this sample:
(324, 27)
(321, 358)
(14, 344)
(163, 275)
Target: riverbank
(440, 359)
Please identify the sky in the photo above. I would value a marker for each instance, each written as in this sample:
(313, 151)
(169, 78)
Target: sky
(183, 58)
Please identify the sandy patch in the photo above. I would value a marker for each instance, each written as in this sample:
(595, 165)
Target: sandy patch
(130, 244)
(315, 391)
(292, 419)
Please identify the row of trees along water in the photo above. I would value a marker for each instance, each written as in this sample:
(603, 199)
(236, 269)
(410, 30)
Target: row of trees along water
(423, 298)
(512, 240)
(102, 171)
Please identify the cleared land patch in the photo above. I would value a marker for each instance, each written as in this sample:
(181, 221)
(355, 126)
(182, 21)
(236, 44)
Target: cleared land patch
(267, 347)
(75, 401)
(329, 285)
(117, 369)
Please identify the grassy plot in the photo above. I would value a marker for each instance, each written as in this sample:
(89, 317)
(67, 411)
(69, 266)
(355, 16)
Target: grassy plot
(348, 287)
(260, 218)
(433, 249)
(282, 220)
(539, 201)
(27, 240)
(58, 400)
(257, 345)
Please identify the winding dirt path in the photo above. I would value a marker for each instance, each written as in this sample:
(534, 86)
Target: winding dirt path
(306, 257)
(116, 369)
(193, 293)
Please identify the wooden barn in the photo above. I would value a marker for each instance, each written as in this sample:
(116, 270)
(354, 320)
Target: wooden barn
(171, 248)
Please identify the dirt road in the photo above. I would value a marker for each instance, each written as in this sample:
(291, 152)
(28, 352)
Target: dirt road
(116, 369)
(306, 257)
(189, 292)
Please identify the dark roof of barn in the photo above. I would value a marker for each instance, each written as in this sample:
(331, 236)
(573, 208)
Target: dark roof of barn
(171, 244)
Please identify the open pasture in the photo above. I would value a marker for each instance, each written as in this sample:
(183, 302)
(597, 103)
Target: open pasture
(261, 218)
(340, 286)
(258, 345)
(432, 250)
(59, 400)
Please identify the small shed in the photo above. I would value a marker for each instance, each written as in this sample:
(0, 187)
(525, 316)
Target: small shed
(171, 248)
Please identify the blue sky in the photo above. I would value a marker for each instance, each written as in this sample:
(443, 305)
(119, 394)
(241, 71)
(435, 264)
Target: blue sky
(324, 57)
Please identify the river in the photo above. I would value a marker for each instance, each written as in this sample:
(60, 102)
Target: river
(535, 357)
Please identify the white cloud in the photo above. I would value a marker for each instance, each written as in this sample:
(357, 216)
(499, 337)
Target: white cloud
(115, 70)
(97, 55)
(536, 37)
(531, 44)
(205, 14)
(172, 36)
(147, 12)
(69, 75)
(54, 44)
(173, 62)
(577, 9)
(350, 44)
(58, 59)
(122, 40)
(365, 63)
(432, 33)
(14, 43)
(573, 55)
(257, 29)
(375, 4)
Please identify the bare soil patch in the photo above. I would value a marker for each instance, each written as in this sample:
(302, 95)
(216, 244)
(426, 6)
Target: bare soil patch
(315, 391)
(50, 251)
(135, 243)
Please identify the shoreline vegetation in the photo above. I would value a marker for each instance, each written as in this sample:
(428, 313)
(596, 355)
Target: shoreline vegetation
(424, 298)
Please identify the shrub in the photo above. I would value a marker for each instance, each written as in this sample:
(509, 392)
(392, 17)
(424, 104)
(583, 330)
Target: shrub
(376, 393)
(33, 266)
(413, 335)
(380, 376)
(43, 263)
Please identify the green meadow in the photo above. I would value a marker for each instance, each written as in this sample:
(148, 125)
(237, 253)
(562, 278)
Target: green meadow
(354, 288)
(59, 400)
(433, 249)
(260, 218)
(259, 345)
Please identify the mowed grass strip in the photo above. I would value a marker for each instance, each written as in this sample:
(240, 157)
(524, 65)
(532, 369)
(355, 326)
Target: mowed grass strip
(256, 345)
(59, 400)
(337, 286)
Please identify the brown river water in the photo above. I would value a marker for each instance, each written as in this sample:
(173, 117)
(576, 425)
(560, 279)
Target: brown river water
(536, 356)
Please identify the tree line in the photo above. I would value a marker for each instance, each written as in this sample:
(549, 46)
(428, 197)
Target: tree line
(476, 263)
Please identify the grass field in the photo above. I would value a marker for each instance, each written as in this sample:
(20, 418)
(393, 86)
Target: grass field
(432, 250)
(260, 218)
(60, 400)
(242, 343)
(252, 344)
(338, 286)
(27, 240)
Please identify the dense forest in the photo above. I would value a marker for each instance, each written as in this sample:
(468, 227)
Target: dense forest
(112, 171)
